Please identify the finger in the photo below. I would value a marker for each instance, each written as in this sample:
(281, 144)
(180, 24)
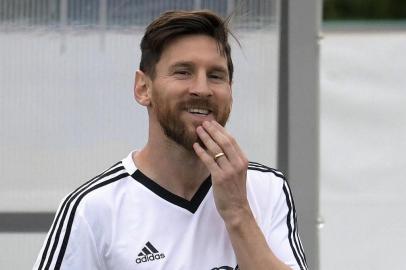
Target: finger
(223, 140)
(235, 155)
(207, 159)
(237, 147)
(208, 141)
(212, 147)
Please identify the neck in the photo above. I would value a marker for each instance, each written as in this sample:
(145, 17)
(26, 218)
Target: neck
(172, 166)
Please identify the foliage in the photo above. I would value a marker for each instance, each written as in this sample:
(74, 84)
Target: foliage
(364, 9)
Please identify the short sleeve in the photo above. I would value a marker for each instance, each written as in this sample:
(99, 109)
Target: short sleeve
(283, 236)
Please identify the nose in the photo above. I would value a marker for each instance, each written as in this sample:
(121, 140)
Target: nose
(200, 86)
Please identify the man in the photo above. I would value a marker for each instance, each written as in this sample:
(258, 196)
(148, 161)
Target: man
(189, 199)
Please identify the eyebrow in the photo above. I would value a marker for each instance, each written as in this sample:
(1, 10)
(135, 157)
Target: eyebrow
(181, 64)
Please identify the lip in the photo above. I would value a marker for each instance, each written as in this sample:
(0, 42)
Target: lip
(198, 108)
(200, 117)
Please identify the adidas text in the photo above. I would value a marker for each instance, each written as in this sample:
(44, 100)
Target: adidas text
(148, 258)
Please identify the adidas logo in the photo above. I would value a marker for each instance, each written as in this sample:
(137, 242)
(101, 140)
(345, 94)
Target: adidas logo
(149, 253)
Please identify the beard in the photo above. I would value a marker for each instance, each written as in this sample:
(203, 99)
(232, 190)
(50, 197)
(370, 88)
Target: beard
(176, 129)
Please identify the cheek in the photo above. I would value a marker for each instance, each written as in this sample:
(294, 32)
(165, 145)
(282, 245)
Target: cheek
(164, 105)
(226, 105)
(226, 97)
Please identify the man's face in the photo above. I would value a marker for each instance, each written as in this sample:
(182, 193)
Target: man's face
(191, 85)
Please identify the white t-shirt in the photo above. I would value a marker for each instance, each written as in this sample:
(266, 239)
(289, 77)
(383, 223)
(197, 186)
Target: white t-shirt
(123, 220)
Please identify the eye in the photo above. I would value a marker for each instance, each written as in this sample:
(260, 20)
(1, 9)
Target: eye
(217, 76)
(182, 73)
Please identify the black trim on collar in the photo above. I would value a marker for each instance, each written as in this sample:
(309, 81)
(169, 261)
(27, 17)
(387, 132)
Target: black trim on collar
(165, 194)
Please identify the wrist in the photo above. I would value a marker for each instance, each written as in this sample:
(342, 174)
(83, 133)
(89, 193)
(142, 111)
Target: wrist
(238, 220)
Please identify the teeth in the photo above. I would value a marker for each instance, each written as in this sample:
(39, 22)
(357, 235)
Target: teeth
(199, 111)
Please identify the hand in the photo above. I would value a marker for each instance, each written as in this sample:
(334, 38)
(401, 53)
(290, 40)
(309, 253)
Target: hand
(228, 172)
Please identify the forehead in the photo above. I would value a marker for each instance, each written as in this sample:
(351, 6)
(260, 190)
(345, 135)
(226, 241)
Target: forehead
(199, 49)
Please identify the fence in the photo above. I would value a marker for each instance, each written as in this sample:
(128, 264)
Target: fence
(113, 14)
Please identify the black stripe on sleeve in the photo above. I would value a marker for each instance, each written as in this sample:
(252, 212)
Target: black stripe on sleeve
(72, 216)
(262, 168)
(63, 211)
(296, 233)
(291, 222)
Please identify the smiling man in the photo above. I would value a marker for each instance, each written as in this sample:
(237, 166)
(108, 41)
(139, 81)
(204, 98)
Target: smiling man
(189, 199)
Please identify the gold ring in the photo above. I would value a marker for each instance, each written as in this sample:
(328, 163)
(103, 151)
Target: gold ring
(217, 156)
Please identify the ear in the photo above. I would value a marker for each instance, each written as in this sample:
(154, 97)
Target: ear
(142, 93)
(231, 96)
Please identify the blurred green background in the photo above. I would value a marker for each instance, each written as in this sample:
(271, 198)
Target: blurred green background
(364, 10)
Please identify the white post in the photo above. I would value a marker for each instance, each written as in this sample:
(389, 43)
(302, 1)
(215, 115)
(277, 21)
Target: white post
(298, 123)
(197, 4)
(230, 6)
(102, 22)
(63, 23)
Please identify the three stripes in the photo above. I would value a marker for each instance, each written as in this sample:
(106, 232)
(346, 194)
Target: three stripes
(66, 213)
(148, 249)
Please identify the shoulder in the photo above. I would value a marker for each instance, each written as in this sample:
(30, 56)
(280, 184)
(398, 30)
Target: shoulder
(272, 202)
(264, 181)
(265, 191)
(258, 172)
(255, 166)
(96, 192)
(76, 220)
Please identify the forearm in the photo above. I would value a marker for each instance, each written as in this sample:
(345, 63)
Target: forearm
(250, 247)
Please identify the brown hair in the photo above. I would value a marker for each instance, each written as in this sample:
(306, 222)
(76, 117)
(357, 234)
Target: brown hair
(173, 24)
